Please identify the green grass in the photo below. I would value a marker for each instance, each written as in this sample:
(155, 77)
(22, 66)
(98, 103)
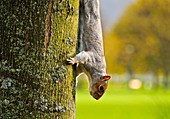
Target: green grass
(124, 104)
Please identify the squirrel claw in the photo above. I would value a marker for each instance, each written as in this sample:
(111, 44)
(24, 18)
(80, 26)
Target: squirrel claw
(71, 61)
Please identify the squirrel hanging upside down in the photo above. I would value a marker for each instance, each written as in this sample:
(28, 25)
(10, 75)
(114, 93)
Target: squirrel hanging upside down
(90, 55)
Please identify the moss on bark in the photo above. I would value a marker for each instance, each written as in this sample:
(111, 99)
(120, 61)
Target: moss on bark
(36, 38)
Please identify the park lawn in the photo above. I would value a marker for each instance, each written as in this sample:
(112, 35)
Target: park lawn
(124, 104)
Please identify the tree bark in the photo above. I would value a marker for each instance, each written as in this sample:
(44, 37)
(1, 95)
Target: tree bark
(36, 36)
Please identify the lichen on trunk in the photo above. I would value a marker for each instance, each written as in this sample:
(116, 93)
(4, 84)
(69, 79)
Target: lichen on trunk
(36, 37)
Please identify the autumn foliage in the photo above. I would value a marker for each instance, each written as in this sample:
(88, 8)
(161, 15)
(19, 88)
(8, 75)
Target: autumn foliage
(140, 40)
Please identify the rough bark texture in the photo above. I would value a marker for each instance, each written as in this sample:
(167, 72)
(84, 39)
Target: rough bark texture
(35, 38)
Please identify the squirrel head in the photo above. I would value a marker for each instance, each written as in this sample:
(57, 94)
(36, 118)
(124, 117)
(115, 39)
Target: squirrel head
(99, 86)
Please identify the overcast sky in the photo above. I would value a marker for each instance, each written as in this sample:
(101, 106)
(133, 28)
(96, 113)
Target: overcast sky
(111, 10)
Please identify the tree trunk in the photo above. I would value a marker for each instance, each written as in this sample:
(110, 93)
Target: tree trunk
(36, 36)
(166, 79)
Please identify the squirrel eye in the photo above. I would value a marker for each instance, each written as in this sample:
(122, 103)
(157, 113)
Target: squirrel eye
(101, 88)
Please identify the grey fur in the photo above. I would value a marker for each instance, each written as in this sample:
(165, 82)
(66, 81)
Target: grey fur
(90, 55)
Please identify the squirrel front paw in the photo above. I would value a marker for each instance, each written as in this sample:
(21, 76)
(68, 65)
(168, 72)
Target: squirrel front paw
(71, 61)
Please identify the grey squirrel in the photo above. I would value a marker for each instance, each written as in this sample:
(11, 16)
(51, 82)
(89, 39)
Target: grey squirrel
(90, 56)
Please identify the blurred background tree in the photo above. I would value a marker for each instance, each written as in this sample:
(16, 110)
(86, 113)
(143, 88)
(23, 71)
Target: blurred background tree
(140, 41)
(137, 55)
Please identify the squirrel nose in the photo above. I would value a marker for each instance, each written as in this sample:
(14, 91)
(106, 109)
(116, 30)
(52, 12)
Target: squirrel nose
(95, 95)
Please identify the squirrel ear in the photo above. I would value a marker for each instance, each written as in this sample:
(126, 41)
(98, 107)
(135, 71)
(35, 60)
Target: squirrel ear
(106, 77)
